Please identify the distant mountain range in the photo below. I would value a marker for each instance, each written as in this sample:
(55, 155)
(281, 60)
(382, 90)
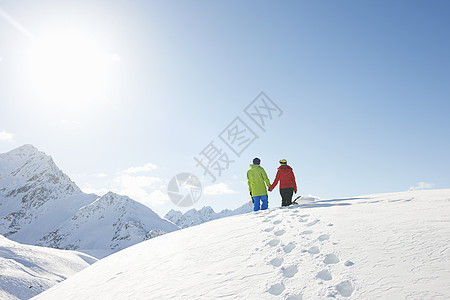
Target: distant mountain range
(196, 217)
(40, 205)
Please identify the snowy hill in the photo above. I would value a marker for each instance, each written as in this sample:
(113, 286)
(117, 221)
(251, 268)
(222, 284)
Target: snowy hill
(26, 271)
(40, 205)
(390, 246)
(195, 217)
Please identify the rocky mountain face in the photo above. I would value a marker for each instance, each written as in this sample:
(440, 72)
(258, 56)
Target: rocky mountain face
(40, 205)
(195, 217)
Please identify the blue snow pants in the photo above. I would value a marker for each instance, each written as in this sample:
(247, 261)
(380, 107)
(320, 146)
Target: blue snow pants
(258, 205)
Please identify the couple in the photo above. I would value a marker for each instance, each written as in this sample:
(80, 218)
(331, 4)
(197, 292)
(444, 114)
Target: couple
(257, 181)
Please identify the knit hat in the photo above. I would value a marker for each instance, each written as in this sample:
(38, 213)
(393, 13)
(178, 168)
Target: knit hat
(283, 161)
(256, 161)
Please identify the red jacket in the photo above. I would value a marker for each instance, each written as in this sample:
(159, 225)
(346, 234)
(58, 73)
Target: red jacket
(286, 177)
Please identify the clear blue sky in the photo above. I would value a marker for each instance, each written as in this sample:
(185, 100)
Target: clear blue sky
(363, 85)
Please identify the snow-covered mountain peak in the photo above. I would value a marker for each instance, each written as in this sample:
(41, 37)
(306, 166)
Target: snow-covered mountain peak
(31, 186)
(118, 204)
(26, 167)
(207, 209)
(114, 203)
(112, 198)
(23, 151)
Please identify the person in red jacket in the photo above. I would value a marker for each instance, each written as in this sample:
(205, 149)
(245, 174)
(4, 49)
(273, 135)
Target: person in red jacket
(285, 176)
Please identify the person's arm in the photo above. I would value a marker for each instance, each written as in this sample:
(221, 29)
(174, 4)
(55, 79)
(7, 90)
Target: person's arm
(275, 182)
(265, 178)
(248, 182)
(295, 184)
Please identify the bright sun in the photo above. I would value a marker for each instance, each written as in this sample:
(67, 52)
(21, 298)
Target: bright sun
(70, 69)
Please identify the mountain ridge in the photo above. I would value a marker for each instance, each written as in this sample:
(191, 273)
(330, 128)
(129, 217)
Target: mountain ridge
(195, 217)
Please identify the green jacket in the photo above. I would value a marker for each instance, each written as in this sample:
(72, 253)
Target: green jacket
(257, 180)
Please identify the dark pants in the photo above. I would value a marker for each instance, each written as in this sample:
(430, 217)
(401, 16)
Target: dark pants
(286, 196)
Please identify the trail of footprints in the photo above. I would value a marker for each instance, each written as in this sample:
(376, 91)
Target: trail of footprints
(344, 288)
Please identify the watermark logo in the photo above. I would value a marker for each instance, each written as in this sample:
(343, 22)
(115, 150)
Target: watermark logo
(262, 110)
(238, 136)
(184, 189)
(214, 159)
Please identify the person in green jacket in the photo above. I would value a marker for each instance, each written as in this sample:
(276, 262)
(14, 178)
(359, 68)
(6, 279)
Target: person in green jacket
(257, 185)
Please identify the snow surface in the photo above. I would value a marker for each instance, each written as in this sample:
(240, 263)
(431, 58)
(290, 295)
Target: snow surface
(26, 271)
(387, 246)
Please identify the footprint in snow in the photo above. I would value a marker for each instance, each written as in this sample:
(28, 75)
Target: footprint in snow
(314, 250)
(276, 289)
(312, 223)
(324, 275)
(302, 220)
(307, 232)
(304, 216)
(269, 229)
(323, 237)
(289, 247)
(349, 263)
(345, 288)
(274, 242)
(290, 271)
(276, 262)
(280, 232)
(277, 222)
(331, 259)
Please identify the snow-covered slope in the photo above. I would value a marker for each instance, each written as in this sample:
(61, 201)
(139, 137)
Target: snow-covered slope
(40, 205)
(391, 246)
(195, 217)
(26, 271)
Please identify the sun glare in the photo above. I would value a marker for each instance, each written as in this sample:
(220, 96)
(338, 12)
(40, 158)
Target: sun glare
(70, 69)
